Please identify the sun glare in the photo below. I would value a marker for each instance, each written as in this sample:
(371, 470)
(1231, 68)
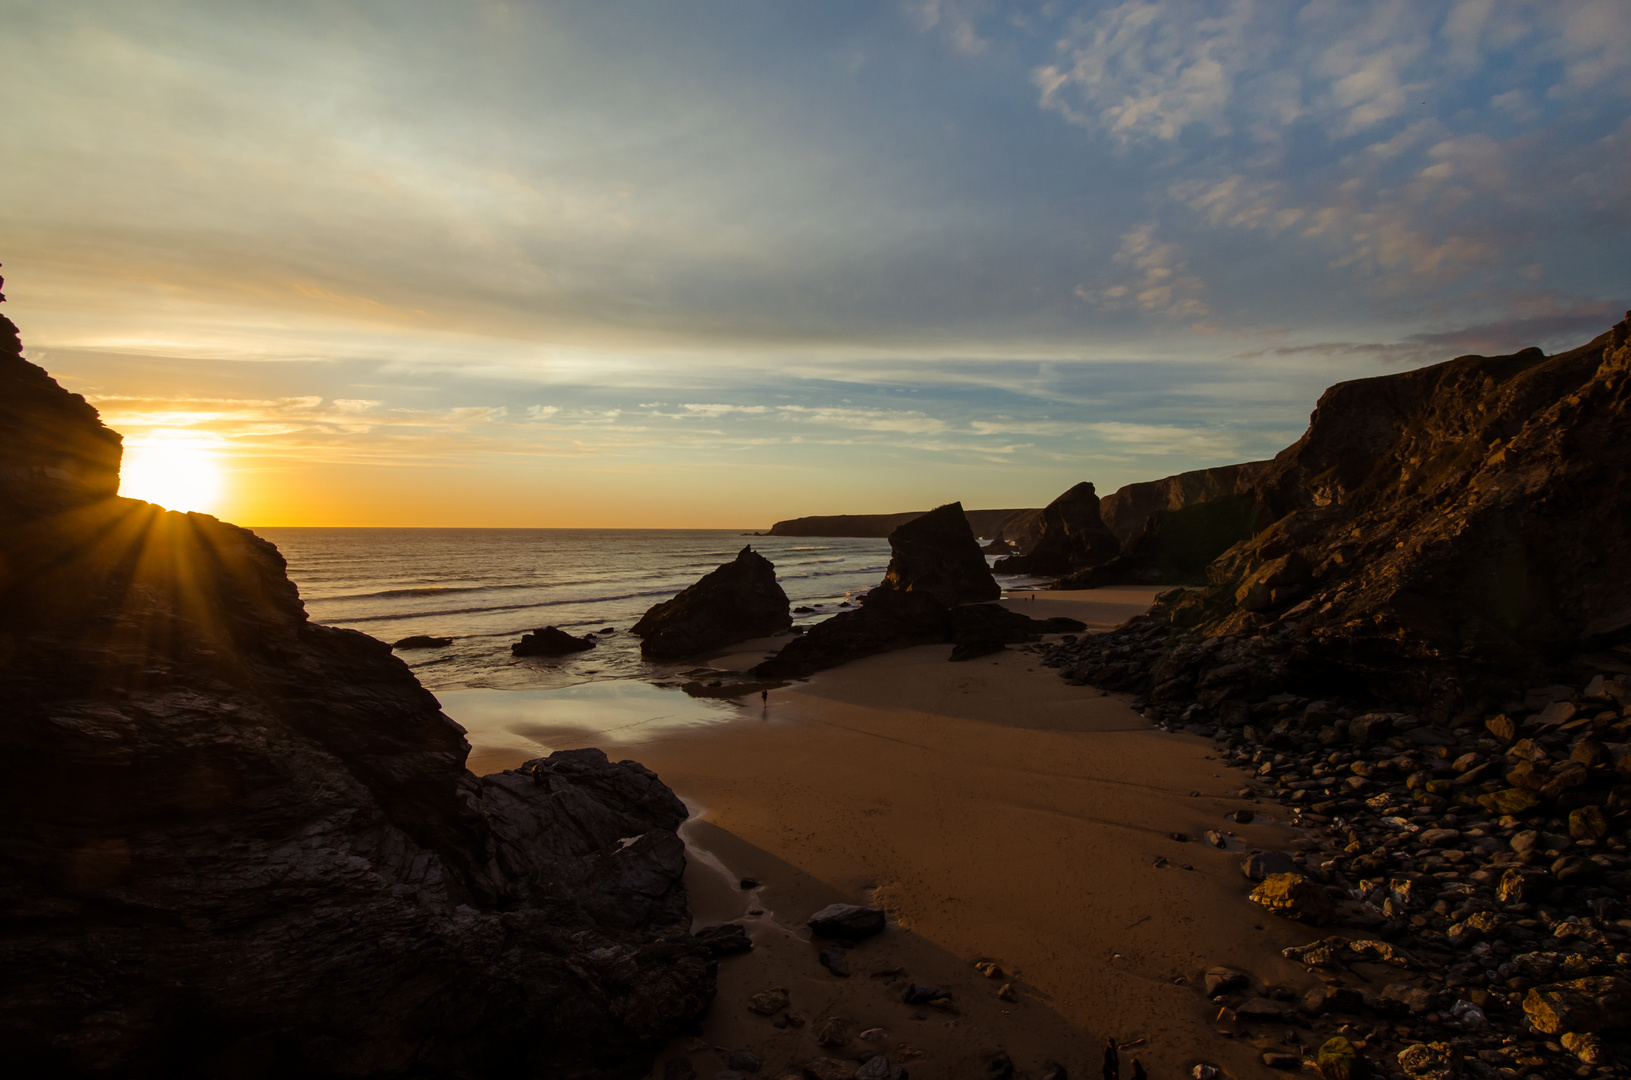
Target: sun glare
(176, 471)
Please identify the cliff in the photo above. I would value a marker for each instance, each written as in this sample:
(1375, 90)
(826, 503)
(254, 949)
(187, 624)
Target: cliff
(236, 843)
(1127, 510)
(1072, 537)
(1018, 526)
(1434, 534)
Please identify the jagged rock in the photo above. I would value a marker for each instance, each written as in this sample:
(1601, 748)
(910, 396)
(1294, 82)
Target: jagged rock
(847, 922)
(738, 601)
(1073, 537)
(1588, 1005)
(1293, 897)
(551, 641)
(936, 554)
(422, 641)
(252, 840)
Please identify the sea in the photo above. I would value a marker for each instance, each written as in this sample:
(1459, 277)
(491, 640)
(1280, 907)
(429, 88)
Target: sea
(484, 588)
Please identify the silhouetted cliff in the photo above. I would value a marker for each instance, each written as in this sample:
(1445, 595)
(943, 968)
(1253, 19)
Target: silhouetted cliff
(235, 843)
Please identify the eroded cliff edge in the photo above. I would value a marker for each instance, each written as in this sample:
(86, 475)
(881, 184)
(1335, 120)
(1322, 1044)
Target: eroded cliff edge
(236, 843)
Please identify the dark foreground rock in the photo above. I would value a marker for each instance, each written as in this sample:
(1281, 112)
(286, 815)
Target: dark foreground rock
(1072, 537)
(847, 922)
(887, 621)
(234, 843)
(938, 555)
(551, 641)
(738, 601)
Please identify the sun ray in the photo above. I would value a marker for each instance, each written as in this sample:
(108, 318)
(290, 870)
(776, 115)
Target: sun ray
(178, 471)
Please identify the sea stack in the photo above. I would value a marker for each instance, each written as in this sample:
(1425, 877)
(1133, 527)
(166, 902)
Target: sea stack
(237, 843)
(738, 601)
(938, 555)
(1073, 537)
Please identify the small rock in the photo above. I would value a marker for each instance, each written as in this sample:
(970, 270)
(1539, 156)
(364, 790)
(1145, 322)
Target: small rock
(879, 1068)
(847, 922)
(748, 883)
(989, 969)
(745, 1061)
(422, 641)
(833, 1032)
(1339, 1059)
(1216, 839)
(1293, 896)
(725, 939)
(768, 1002)
(876, 1034)
(1221, 980)
(679, 1068)
(999, 1066)
(1239, 817)
(1276, 1059)
(1259, 1009)
(1263, 864)
(1431, 1061)
(1204, 1072)
(835, 960)
(1052, 1070)
(1584, 1006)
(1587, 823)
(1006, 992)
(1585, 1046)
(922, 995)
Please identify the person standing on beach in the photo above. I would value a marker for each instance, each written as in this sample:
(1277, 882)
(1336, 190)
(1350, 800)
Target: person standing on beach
(1112, 1061)
(764, 698)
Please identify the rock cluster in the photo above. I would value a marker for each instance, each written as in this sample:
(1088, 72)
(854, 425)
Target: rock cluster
(1072, 537)
(1474, 872)
(738, 601)
(236, 843)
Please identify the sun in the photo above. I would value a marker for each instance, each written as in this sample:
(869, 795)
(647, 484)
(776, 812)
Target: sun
(179, 472)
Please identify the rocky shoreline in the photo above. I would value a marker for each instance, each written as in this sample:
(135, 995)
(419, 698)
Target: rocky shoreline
(1464, 878)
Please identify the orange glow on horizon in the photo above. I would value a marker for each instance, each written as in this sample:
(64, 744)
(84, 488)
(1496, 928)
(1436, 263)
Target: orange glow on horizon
(174, 470)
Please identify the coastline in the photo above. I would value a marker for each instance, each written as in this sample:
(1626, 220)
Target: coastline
(997, 813)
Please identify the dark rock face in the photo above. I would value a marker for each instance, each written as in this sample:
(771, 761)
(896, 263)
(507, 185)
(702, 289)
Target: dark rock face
(551, 641)
(1072, 537)
(55, 454)
(422, 641)
(236, 843)
(982, 629)
(738, 601)
(1465, 521)
(1175, 546)
(937, 554)
(1127, 510)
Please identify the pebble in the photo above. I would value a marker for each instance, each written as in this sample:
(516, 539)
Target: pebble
(745, 1061)
(836, 960)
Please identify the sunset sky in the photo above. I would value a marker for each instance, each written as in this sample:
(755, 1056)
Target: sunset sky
(718, 262)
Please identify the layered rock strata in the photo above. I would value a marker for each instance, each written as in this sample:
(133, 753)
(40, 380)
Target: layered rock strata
(738, 601)
(236, 843)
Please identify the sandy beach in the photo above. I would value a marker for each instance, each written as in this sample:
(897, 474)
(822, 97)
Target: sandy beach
(997, 814)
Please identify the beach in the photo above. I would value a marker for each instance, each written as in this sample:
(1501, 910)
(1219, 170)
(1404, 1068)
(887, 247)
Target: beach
(997, 814)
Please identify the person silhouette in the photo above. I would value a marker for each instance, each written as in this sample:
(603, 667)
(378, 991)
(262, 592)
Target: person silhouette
(1112, 1061)
(764, 698)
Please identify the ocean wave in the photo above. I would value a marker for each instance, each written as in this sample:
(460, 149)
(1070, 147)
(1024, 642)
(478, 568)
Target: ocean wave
(398, 616)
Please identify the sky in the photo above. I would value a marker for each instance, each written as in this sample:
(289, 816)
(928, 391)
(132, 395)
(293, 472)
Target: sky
(713, 263)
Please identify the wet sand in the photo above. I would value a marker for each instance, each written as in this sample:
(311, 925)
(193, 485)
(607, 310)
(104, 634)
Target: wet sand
(997, 814)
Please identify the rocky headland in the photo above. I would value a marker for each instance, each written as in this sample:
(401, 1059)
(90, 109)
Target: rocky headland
(234, 843)
(1018, 525)
(1422, 651)
(738, 601)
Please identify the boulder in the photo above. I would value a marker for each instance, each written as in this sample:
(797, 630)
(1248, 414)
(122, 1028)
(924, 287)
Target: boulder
(738, 601)
(1073, 537)
(551, 642)
(887, 621)
(1293, 896)
(1589, 1005)
(1431, 1061)
(1263, 864)
(847, 922)
(252, 840)
(937, 554)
